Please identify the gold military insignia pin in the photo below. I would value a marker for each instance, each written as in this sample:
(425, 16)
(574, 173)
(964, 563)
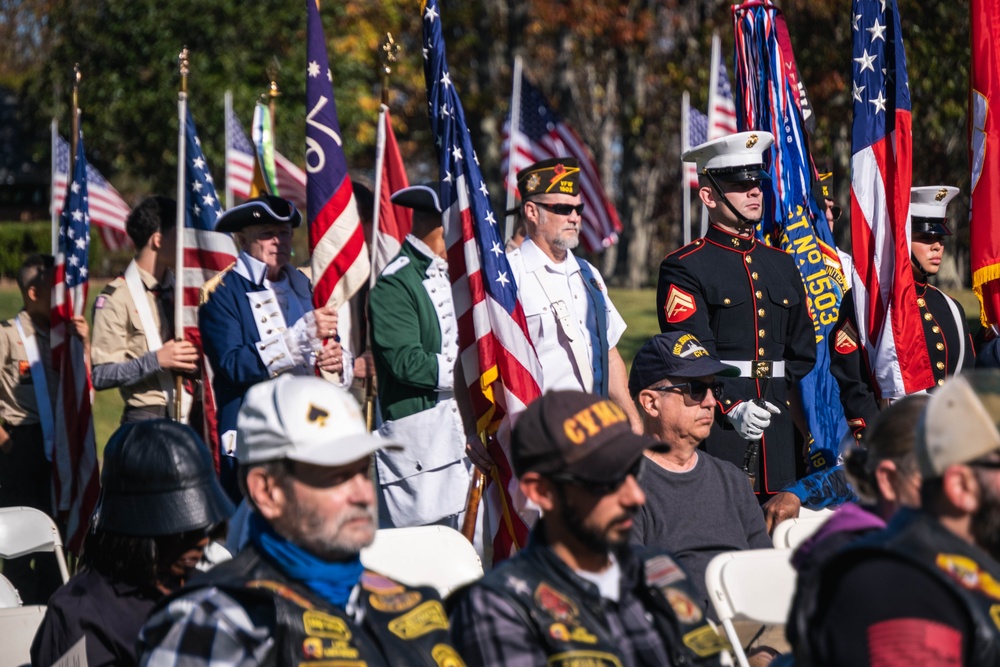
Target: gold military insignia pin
(752, 141)
(533, 182)
(317, 415)
(941, 194)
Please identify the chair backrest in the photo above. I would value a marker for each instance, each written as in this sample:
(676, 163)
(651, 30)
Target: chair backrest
(424, 556)
(790, 533)
(806, 513)
(754, 585)
(9, 597)
(25, 530)
(17, 630)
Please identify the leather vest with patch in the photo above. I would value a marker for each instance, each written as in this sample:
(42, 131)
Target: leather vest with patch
(570, 624)
(401, 626)
(921, 541)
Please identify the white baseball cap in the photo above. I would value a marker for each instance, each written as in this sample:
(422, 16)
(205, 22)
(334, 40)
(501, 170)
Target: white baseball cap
(304, 419)
(960, 421)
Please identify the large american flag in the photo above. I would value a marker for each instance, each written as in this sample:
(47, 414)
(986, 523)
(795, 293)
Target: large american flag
(541, 134)
(74, 465)
(394, 222)
(206, 252)
(107, 208)
(340, 264)
(884, 295)
(498, 359)
(697, 123)
(239, 158)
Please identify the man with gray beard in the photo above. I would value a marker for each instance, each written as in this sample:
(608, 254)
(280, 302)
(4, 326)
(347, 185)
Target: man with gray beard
(926, 590)
(571, 321)
(298, 592)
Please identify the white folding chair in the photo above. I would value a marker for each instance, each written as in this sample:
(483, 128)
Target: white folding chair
(24, 530)
(790, 533)
(806, 513)
(9, 597)
(434, 556)
(755, 585)
(17, 630)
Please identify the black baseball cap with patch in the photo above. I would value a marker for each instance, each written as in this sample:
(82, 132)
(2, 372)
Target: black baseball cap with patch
(579, 434)
(675, 354)
(823, 188)
(557, 176)
(263, 210)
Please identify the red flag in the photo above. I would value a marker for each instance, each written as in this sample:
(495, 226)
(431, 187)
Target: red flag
(394, 222)
(984, 152)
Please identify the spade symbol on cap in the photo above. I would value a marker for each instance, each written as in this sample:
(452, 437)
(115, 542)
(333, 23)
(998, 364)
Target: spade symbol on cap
(317, 415)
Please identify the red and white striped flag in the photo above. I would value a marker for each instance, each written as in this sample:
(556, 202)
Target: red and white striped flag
(239, 167)
(498, 359)
(340, 264)
(74, 464)
(885, 299)
(392, 223)
(539, 134)
(107, 208)
(697, 123)
(721, 107)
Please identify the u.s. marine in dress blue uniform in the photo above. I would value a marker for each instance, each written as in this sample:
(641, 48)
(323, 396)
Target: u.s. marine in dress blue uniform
(745, 302)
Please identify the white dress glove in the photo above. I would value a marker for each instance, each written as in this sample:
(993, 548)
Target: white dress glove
(750, 419)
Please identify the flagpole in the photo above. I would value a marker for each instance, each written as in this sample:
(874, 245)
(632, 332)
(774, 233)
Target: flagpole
(390, 52)
(181, 223)
(54, 137)
(686, 198)
(75, 123)
(273, 93)
(515, 124)
(713, 88)
(228, 103)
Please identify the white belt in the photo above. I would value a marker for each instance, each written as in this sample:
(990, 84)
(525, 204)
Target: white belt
(758, 368)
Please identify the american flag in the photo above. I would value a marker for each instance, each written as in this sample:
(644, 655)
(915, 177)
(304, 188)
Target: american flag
(721, 107)
(239, 158)
(206, 252)
(108, 209)
(340, 264)
(394, 222)
(884, 295)
(697, 135)
(542, 134)
(498, 359)
(75, 472)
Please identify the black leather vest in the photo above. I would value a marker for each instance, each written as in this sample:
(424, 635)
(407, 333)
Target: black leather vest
(921, 541)
(569, 622)
(401, 626)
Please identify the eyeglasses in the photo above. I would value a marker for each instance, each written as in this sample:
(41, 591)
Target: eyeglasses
(561, 209)
(837, 212)
(696, 388)
(601, 488)
(988, 464)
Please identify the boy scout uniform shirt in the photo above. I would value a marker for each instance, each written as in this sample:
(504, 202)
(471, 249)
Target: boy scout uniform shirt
(18, 406)
(118, 335)
(538, 279)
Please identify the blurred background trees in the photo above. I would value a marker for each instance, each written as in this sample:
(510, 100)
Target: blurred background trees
(614, 69)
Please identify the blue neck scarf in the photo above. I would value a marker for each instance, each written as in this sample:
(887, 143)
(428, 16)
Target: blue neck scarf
(331, 581)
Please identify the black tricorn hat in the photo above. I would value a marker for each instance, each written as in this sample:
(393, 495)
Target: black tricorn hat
(263, 210)
(425, 197)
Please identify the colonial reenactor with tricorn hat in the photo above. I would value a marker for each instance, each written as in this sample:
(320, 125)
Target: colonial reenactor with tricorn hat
(949, 345)
(746, 304)
(572, 323)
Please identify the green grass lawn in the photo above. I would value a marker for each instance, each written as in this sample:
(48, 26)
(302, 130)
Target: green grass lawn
(638, 307)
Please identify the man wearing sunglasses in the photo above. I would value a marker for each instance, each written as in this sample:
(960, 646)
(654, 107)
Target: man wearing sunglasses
(926, 589)
(573, 324)
(577, 594)
(823, 194)
(257, 320)
(697, 504)
(745, 303)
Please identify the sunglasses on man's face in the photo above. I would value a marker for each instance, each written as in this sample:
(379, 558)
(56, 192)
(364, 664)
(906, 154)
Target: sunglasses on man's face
(837, 212)
(601, 488)
(696, 388)
(561, 209)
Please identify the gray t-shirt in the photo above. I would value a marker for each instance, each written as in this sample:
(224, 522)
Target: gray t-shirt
(699, 514)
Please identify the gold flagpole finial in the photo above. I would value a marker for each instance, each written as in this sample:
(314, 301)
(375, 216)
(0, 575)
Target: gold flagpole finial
(273, 93)
(75, 124)
(390, 55)
(183, 63)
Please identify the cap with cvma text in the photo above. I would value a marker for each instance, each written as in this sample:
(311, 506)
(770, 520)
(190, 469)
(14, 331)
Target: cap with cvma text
(304, 419)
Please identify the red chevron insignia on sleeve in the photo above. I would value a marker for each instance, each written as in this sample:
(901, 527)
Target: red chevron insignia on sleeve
(679, 306)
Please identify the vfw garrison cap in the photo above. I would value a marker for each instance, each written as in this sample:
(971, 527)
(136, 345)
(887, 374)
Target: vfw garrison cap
(559, 176)
(733, 158)
(929, 208)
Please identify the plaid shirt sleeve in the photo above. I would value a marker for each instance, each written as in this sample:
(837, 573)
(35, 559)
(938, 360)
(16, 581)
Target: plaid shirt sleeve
(206, 627)
(487, 631)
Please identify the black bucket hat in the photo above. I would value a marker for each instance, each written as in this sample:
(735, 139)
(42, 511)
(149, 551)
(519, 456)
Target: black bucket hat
(158, 479)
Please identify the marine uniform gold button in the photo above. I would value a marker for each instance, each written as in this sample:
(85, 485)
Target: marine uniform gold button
(936, 329)
(784, 301)
(749, 259)
(940, 365)
(761, 333)
(940, 382)
(940, 346)
(759, 294)
(727, 301)
(754, 275)
(761, 312)
(760, 351)
(921, 302)
(928, 317)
